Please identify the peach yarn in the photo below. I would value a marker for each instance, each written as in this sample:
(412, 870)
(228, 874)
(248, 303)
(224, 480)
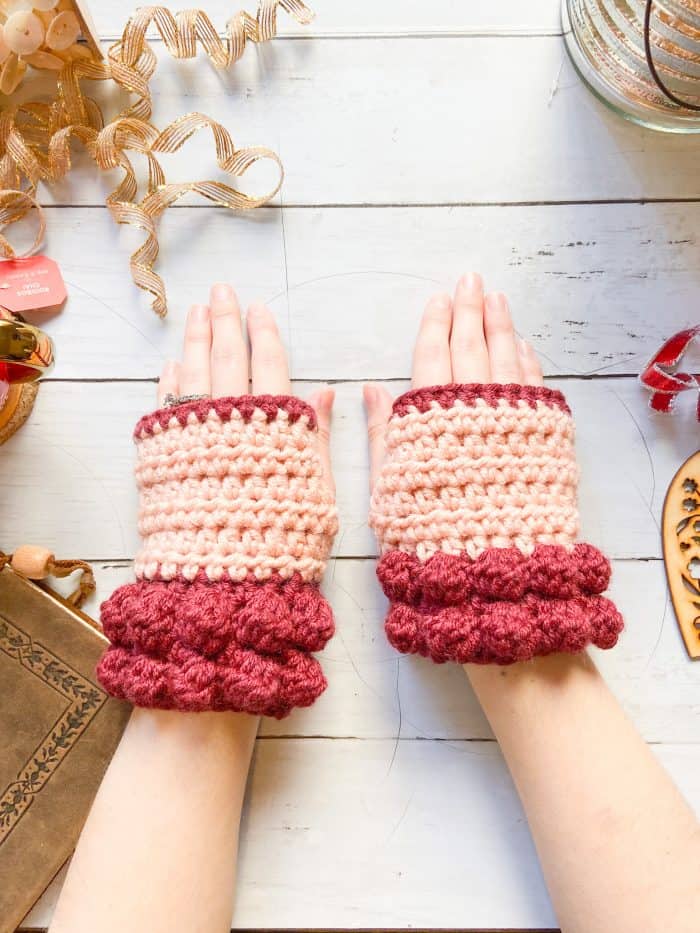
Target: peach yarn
(476, 476)
(232, 497)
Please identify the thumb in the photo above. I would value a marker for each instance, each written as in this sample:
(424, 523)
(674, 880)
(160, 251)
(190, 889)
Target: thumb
(322, 403)
(378, 403)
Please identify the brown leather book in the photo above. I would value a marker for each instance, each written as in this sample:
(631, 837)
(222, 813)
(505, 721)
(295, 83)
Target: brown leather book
(58, 731)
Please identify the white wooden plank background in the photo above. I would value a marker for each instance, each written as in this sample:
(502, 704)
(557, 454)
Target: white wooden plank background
(347, 120)
(581, 280)
(420, 140)
(389, 17)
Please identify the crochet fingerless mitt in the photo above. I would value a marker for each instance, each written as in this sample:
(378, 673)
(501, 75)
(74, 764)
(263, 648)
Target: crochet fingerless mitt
(237, 525)
(475, 512)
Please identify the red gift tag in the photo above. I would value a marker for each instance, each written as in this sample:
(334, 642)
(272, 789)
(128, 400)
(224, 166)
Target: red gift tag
(31, 284)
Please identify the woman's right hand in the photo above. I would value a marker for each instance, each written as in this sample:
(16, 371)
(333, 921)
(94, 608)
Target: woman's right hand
(466, 338)
(474, 487)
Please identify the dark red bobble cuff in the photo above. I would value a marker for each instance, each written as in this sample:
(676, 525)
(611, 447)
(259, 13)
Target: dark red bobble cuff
(501, 607)
(202, 645)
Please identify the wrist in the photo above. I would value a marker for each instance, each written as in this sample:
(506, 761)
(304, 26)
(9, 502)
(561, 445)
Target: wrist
(516, 685)
(195, 733)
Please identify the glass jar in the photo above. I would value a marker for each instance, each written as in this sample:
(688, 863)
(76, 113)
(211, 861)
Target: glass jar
(605, 39)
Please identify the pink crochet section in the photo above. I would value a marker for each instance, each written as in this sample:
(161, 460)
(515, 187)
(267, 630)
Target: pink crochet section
(503, 632)
(237, 524)
(216, 646)
(232, 487)
(498, 471)
(551, 571)
(475, 511)
(502, 606)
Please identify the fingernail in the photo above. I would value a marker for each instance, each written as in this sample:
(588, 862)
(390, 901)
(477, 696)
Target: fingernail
(471, 282)
(370, 393)
(257, 309)
(442, 301)
(524, 347)
(220, 291)
(497, 301)
(199, 313)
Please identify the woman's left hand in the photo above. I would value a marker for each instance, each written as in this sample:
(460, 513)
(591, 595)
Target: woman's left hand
(216, 362)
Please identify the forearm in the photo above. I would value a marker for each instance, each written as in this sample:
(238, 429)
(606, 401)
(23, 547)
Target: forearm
(237, 517)
(474, 506)
(158, 851)
(619, 846)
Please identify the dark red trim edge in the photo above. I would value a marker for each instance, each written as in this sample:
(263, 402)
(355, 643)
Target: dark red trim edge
(469, 393)
(224, 407)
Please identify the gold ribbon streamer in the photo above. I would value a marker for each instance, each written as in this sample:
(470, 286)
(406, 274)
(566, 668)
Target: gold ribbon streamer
(14, 205)
(35, 137)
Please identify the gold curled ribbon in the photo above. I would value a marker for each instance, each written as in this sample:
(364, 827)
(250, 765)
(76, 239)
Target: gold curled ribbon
(14, 205)
(35, 137)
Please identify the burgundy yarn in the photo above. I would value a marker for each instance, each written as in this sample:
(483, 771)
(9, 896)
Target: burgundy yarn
(497, 574)
(482, 632)
(216, 645)
(224, 407)
(239, 681)
(469, 393)
(500, 607)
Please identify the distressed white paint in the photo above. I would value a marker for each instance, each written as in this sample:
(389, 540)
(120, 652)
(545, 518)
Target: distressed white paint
(65, 478)
(412, 120)
(389, 17)
(595, 288)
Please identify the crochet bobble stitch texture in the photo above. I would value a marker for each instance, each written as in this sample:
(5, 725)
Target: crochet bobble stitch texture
(236, 525)
(475, 512)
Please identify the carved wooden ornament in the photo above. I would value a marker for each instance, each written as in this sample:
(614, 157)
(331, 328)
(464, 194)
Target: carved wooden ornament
(681, 541)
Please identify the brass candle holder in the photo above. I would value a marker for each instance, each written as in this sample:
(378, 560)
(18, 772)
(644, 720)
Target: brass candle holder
(26, 355)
